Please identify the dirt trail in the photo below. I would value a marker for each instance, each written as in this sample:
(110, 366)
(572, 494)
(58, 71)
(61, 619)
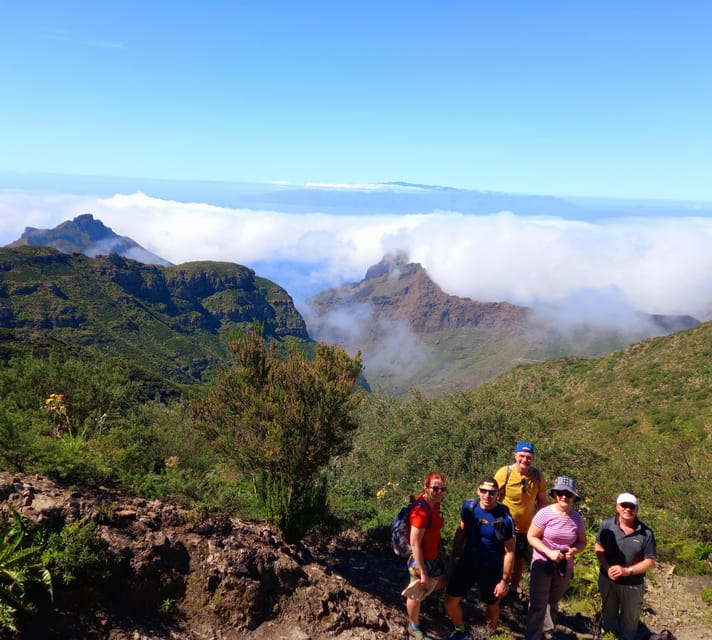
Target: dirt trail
(673, 602)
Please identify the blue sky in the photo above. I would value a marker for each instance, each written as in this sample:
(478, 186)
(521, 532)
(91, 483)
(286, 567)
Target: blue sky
(609, 99)
(198, 102)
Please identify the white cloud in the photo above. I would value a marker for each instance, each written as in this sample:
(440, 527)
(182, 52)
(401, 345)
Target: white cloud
(377, 186)
(655, 265)
(392, 346)
(19, 209)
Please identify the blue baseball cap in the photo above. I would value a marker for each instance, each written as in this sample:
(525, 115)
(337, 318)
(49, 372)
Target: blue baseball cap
(526, 447)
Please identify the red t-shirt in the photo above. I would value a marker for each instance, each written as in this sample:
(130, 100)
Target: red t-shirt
(431, 539)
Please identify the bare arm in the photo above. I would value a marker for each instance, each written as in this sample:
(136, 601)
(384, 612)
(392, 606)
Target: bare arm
(502, 586)
(534, 538)
(641, 567)
(615, 571)
(578, 546)
(458, 543)
(416, 546)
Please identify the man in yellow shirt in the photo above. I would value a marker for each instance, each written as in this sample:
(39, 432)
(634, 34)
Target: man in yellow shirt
(523, 489)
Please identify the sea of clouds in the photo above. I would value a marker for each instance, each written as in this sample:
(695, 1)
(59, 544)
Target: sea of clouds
(608, 267)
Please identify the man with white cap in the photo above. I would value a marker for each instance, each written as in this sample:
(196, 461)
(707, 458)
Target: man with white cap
(625, 547)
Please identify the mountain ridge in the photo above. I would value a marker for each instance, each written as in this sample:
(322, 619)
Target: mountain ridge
(446, 342)
(86, 235)
(411, 333)
(176, 321)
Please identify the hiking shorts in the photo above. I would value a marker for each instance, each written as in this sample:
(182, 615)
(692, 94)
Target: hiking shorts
(465, 576)
(435, 567)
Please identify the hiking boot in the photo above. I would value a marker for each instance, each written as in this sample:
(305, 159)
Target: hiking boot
(458, 635)
(417, 634)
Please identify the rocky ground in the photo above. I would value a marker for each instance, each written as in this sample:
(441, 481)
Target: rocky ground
(672, 601)
(181, 578)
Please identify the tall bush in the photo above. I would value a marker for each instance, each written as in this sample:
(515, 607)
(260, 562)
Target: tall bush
(281, 421)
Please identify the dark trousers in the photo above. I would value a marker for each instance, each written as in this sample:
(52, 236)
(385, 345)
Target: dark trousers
(546, 587)
(622, 604)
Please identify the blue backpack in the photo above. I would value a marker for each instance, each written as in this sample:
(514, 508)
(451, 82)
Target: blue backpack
(400, 528)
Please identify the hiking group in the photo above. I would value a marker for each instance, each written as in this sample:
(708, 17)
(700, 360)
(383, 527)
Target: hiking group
(507, 525)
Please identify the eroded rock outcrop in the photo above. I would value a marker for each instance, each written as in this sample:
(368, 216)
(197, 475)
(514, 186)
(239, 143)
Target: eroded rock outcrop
(214, 579)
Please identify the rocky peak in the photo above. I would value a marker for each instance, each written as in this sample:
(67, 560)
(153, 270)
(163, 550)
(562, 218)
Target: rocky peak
(93, 229)
(400, 290)
(86, 235)
(392, 265)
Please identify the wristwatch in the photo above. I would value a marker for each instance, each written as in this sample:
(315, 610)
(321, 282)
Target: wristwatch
(507, 581)
(630, 571)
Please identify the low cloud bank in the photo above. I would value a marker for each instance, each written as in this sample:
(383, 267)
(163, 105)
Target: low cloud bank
(615, 265)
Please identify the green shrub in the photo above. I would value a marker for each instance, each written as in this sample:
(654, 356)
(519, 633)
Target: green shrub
(20, 565)
(76, 556)
(281, 421)
(690, 556)
(584, 584)
(19, 449)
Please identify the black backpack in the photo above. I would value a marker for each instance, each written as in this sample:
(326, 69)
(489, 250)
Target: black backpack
(498, 524)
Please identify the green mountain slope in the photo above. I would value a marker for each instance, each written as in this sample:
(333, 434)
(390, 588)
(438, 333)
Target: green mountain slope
(173, 321)
(638, 419)
(661, 386)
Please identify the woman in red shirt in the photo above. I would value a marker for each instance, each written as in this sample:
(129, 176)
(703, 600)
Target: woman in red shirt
(425, 563)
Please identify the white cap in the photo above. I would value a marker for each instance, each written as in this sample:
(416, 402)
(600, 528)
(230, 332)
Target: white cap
(627, 497)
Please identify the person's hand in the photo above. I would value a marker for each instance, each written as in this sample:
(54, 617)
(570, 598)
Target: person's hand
(555, 555)
(424, 579)
(615, 571)
(501, 589)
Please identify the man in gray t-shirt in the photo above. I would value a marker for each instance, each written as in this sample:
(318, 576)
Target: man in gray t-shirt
(625, 548)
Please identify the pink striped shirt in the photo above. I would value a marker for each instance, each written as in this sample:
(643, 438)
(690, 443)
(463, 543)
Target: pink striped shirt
(558, 531)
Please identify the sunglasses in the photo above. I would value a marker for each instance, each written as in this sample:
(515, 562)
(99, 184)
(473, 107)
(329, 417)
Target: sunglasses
(565, 494)
(438, 489)
(492, 492)
(628, 505)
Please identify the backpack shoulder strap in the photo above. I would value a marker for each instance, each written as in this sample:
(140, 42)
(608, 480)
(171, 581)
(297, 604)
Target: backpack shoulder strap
(425, 506)
(503, 489)
(469, 508)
